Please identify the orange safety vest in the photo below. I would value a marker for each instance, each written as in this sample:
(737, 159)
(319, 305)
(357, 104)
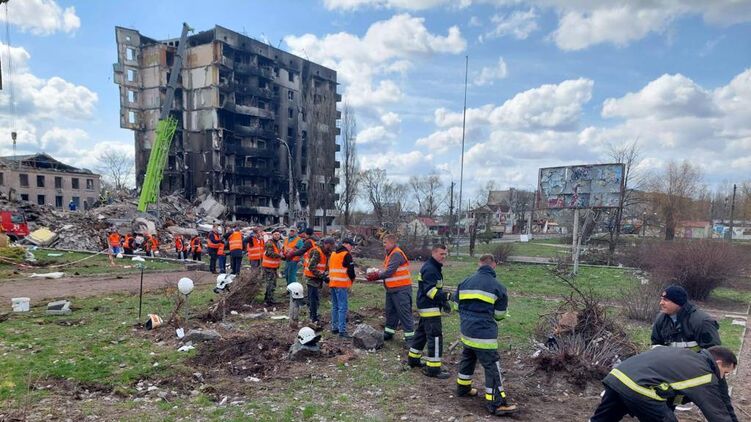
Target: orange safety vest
(127, 244)
(321, 267)
(401, 276)
(255, 249)
(210, 243)
(269, 262)
(195, 244)
(337, 273)
(235, 241)
(114, 239)
(179, 244)
(220, 249)
(289, 246)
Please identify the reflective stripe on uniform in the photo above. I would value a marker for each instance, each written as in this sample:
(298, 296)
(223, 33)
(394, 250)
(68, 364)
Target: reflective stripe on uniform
(477, 294)
(480, 343)
(431, 293)
(683, 344)
(389, 330)
(415, 355)
(409, 334)
(693, 382)
(628, 382)
(429, 312)
(463, 382)
(433, 364)
(488, 397)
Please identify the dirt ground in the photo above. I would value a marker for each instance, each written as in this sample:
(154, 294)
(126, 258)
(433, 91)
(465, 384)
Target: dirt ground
(68, 287)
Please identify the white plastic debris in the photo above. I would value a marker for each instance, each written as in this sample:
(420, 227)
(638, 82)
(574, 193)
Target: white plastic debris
(53, 275)
(186, 348)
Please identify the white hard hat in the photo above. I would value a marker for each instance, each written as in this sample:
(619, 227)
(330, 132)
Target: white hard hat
(306, 335)
(185, 285)
(296, 290)
(119, 255)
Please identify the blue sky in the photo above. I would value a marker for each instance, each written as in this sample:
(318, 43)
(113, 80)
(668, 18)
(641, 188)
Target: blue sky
(552, 82)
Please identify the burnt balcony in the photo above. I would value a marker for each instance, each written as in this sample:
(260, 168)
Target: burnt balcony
(245, 89)
(251, 190)
(238, 149)
(248, 110)
(253, 69)
(245, 210)
(254, 131)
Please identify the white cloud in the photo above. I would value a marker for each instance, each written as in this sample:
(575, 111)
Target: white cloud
(669, 96)
(475, 21)
(390, 4)
(391, 119)
(42, 17)
(62, 141)
(399, 163)
(518, 24)
(487, 74)
(388, 46)
(375, 135)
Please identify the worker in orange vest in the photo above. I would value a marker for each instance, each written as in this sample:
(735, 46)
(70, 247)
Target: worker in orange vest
(255, 244)
(341, 276)
(291, 243)
(236, 247)
(213, 241)
(114, 241)
(398, 283)
(151, 245)
(272, 259)
(129, 244)
(179, 247)
(315, 270)
(195, 247)
(221, 257)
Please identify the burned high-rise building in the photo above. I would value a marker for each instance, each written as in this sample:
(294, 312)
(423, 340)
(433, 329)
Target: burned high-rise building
(245, 111)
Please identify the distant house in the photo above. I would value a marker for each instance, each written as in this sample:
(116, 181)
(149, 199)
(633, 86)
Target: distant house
(693, 229)
(42, 180)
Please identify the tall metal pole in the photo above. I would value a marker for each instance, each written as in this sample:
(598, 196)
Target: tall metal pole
(575, 245)
(732, 211)
(290, 195)
(461, 171)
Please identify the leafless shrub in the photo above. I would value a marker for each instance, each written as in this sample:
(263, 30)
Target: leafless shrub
(502, 251)
(642, 301)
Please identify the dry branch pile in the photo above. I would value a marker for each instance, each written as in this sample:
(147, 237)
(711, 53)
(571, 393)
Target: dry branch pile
(247, 285)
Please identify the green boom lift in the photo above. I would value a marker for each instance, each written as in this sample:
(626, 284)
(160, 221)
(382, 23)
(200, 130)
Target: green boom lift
(165, 130)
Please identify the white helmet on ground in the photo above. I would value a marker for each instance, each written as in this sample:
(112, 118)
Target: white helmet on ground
(223, 281)
(306, 335)
(296, 290)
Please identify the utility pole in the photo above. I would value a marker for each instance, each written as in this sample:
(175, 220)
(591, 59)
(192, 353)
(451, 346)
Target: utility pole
(451, 211)
(461, 172)
(732, 211)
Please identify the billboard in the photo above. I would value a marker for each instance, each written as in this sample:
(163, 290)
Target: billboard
(582, 186)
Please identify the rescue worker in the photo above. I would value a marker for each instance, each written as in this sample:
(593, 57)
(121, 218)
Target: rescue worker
(398, 284)
(309, 240)
(291, 243)
(151, 245)
(213, 241)
(315, 270)
(221, 256)
(236, 247)
(681, 324)
(129, 244)
(255, 244)
(341, 276)
(115, 242)
(272, 259)
(482, 302)
(195, 247)
(430, 300)
(644, 386)
(180, 247)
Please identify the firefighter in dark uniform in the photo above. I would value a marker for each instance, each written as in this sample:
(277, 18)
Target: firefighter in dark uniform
(646, 385)
(482, 302)
(681, 324)
(431, 299)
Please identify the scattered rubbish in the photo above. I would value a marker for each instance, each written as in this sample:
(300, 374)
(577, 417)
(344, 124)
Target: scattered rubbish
(252, 379)
(277, 317)
(153, 322)
(53, 275)
(186, 347)
(20, 304)
(54, 254)
(233, 312)
(180, 333)
(29, 257)
(60, 307)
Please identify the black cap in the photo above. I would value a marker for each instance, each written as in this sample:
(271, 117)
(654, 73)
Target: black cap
(676, 294)
(329, 241)
(309, 231)
(348, 241)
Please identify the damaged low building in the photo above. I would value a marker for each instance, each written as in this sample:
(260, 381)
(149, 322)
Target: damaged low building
(251, 118)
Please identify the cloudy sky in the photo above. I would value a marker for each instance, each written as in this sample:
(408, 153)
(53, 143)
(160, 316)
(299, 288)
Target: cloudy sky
(551, 82)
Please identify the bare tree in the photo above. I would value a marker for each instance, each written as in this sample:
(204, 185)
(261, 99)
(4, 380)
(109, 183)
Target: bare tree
(673, 191)
(117, 168)
(350, 175)
(385, 196)
(426, 191)
(522, 202)
(628, 155)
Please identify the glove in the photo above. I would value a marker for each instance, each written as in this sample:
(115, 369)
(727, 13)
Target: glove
(454, 306)
(372, 276)
(504, 316)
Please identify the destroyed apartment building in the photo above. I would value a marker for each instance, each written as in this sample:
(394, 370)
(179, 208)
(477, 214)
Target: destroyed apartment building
(251, 118)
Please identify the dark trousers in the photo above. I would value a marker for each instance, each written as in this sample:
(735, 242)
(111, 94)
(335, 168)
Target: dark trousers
(196, 256)
(255, 263)
(236, 262)
(495, 395)
(399, 311)
(429, 332)
(615, 406)
(222, 264)
(212, 260)
(314, 300)
(269, 274)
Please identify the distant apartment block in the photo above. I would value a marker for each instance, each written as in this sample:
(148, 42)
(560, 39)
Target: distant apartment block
(245, 111)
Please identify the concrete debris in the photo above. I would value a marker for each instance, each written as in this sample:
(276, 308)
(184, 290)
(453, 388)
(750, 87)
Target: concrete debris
(211, 208)
(60, 307)
(54, 275)
(367, 337)
(20, 304)
(196, 336)
(173, 230)
(42, 237)
(300, 351)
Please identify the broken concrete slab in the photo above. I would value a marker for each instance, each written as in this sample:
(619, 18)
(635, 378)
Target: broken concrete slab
(300, 351)
(143, 226)
(182, 231)
(195, 336)
(59, 307)
(42, 237)
(211, 208)
(367, 337)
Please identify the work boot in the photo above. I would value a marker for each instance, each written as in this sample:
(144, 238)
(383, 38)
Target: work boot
(441, 375)
(504, 409)
(471, 393)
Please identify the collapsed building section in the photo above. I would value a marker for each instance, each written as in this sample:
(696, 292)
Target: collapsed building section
(257, 125)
